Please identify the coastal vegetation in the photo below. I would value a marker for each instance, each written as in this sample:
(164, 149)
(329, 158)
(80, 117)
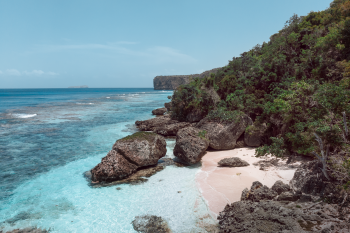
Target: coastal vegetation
(297, 85)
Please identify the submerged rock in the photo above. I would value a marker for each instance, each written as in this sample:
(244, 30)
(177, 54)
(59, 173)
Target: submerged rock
(150, 224)
(232, 162)
(223, 136)
(191, 144)
(27, 230)
(142, 148)
(159, 111)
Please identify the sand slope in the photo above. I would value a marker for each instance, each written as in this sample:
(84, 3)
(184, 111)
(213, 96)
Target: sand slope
(222, 185)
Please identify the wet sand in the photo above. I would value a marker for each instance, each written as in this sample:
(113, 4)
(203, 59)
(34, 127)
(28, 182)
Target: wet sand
(223, 185)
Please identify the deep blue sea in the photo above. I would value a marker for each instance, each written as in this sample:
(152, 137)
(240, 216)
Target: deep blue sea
(50, 137)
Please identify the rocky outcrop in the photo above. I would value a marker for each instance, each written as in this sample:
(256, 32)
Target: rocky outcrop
(141, 148)
(171, 82)
(285, 213)
(163, 125)
(258, 192)
(223, 136)
(232, 162)
(191, 144)
(254, 134)
(280, 187)
(129, 154)
(167, 106)
(159, 111)
(150, 224)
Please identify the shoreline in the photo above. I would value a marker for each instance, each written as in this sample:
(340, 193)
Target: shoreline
(223, 185)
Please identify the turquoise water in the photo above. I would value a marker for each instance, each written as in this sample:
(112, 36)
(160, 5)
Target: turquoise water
(50, 137)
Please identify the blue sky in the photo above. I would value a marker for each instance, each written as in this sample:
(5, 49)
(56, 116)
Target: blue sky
(112, 43)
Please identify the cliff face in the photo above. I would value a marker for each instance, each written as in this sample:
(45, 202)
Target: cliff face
(171, 82)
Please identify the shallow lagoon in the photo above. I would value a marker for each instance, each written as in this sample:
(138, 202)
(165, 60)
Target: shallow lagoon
(43, 158)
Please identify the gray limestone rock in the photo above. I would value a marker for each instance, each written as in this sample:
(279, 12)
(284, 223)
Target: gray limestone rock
(232, 162)
(280, 187)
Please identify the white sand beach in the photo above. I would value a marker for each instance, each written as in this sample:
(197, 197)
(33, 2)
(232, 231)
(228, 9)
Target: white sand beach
(223, 185)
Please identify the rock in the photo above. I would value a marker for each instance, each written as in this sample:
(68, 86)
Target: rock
(112, 167)
(280, 187)
(150, 224)
(258, 192)
(309, 179)
(223, 136)
(194, 116)
(254, 134)
(27, 230)
(142, 148)
(172, 129)
(168, 106)
(233, 162)
(191, 144)
(159, 111)
(288, 196)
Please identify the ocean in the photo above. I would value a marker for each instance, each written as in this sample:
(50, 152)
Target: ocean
(50, 137)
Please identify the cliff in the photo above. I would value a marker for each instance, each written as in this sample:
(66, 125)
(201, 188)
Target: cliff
(171, 82)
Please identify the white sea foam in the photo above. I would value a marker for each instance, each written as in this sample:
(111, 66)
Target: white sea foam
(22, 115)
(108, 97)
(84, 103)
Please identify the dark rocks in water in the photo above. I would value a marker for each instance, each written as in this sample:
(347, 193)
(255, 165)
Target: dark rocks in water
(142, 148)
(150, 224)
(191, 144)
(280, 187)
(113, 167)
(27, 230)
(223, 136)
(159, 111)
(232, 162)
(258, 192)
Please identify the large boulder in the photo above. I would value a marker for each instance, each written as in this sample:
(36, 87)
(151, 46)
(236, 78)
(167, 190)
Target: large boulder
(142, 148)
(191, 144)
(172, 129)
(223, 135)
(280, 187)
(150, 224)
(128, 154)
(159, 111)
(258, 192)
(232, 162)
(113, 167)
(254, 134)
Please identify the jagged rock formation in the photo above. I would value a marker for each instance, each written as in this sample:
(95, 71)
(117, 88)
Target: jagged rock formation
(139, 150)
(191, 144)
(159, 111)
(171, 82)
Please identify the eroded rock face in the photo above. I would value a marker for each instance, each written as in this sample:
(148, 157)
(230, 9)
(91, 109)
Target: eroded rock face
(280, 187)
(142, 148)
(288, 196)
(258, 192)
(232, 162)
(172, 129)
(159, 111)
(254, 135)
(191, 144)
(113, 167)
(150, 224)
(194, 116)
(223, 136)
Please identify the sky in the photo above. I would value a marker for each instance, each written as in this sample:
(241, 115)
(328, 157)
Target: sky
(115, 43)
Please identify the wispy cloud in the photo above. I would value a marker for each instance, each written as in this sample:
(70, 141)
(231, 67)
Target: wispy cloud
(14, 72)
(155, 53)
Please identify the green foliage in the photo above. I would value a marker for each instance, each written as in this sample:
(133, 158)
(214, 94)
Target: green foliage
(202, 134)
(223, 116)
(149, 136)
(276, 148)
